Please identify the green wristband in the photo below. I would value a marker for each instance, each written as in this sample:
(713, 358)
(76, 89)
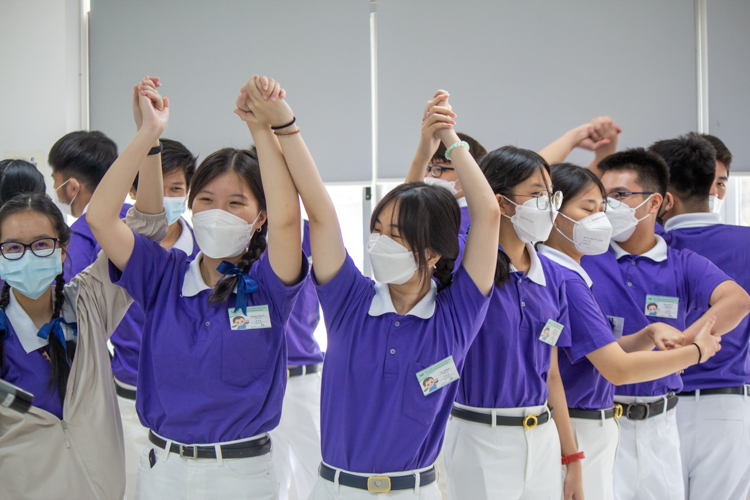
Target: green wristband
(453, 146)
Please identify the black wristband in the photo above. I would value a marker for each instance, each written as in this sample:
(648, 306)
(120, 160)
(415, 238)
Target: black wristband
(156, 149)
(294, 120)
(700, 353)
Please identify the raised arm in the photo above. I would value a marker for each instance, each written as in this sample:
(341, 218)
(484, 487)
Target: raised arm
(150, 199)
(428, 141)
(592, 136)
(260, 111)
(480, 254)
(103, 215)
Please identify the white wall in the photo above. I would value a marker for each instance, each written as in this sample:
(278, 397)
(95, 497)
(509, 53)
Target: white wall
(40, 93)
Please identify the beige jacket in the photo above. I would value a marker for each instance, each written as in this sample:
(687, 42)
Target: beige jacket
(81, 457)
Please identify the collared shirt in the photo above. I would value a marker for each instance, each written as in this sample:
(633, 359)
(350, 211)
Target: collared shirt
(186, 242)
(199, 381)
(507, 364)
(728, 247)
(82, 248)
(465, 218)
(374, 416)
(622, 282)
(585, 387)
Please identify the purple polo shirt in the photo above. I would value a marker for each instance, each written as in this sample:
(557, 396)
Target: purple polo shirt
(126, 339)
(83, 247)
(507, 364)
(465, 220)
(621, 285)
(729, 248)
(374, 416)
(585, 387)
(303, 348)
(199, 381)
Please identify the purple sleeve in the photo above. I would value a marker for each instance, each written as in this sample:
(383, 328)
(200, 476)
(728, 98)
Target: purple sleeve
(146, 268)
(589, 328)
(467, 305)
(347, 290)
(81, 253)
(565, 339)
(278, 295)
(702, 278)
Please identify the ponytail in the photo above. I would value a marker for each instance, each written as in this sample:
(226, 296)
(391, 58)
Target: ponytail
(4, 300)
(60, 356)
(444, 271)
(502, 269)
(225, 287)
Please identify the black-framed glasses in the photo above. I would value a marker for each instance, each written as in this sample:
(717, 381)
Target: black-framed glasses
(14, 250)
(544, 200)
(614, 199)
(437, 170)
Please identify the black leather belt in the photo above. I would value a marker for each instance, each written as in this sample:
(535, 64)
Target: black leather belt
(298, 371)
(528, 422)
(245, 449)
(124, 393)
(615, 412)
(378, 484)
(736, 391)
(642, 411)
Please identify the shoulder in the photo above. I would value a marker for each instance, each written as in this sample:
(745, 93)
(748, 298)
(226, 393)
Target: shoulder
(553, 271)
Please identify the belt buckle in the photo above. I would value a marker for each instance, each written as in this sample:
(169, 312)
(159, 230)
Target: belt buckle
(379, 484)
(530, 421)
(184, 447)
(632, 405)
(618, 411)
(288, 373)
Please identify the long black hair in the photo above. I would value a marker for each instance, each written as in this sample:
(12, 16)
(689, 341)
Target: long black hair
(19, 176)
(244, 163)
(428, 217)
(41, 203)
(505, 168)
(572, 180)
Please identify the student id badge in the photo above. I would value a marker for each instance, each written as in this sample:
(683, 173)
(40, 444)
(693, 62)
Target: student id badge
(551, 332)
(618, 324)
(661, 307)
(257, 317)
(437, 376)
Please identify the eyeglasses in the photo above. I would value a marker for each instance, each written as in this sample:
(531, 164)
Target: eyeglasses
(437, 171)
(614, 199)
(14, 250)
(544, 200)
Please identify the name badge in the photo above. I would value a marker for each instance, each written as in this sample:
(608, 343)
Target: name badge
(661, 307)
(437, 376)
(257, 317)
(618, 324)
(551, 332)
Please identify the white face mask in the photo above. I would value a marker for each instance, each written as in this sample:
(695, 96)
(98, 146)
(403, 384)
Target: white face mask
(391, 262)
(175, 207)
(65, 207)
(531, 223)
(714, 204)
(591, 234)
(623, 220)
(221, 235)
(449, 185)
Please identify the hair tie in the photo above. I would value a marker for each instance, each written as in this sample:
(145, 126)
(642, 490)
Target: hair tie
(55, 328)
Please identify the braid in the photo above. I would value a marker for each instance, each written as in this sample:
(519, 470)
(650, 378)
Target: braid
(59, 369)
(225, 286)
(502, 269)
(4, 300)
(443, 272)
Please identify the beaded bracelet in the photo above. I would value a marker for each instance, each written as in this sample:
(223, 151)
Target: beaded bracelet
(453, 146)
(281, 134)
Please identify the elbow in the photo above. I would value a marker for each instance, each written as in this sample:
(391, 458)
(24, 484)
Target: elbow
(616, 376)
(744, 303)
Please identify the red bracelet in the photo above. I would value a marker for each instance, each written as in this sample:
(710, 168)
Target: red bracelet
(573, 458)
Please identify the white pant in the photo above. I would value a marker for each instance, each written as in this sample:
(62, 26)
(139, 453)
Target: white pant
(180, 478)
(715, 445)
(648, 460)
(296, 441)
(598, 439)
(136, 438)
(514, 463)
(327, 490)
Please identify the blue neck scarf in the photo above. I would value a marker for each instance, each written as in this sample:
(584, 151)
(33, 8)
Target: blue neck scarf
(3, 323)
(245, 284)
(55, 328)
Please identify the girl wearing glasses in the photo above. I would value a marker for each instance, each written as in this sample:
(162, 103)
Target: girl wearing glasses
(599, 357)
(53, 344)
(500, 442)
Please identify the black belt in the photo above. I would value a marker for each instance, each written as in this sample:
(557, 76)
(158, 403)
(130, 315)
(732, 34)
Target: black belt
(124, 393)
(298, 371)
(642, 411)
(736, 391)
(245, 449)
(615, 412)
(378, 484)
(528, 422)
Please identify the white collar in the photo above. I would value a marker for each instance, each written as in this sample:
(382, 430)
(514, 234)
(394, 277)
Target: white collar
(462, 202)
(85, 209)
(657, 254)
(696, 219)
(185, 241)
(193, 283)
(25, 329)
(536, 271)
(382, 302)
(566, 261)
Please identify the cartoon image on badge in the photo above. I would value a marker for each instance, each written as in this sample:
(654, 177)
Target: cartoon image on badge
(430, 384)
(652, 309)
(256, 317)
(658, 306)
(551, 332)
(240, 322)
(437, 376)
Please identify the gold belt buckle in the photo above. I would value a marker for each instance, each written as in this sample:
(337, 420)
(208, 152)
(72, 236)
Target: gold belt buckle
(618, 411)
(379, 484)
(288, 373)
(530, 421)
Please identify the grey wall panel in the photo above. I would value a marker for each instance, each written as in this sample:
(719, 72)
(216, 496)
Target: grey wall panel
(205, 51)
(729, 77)
(525, 72)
